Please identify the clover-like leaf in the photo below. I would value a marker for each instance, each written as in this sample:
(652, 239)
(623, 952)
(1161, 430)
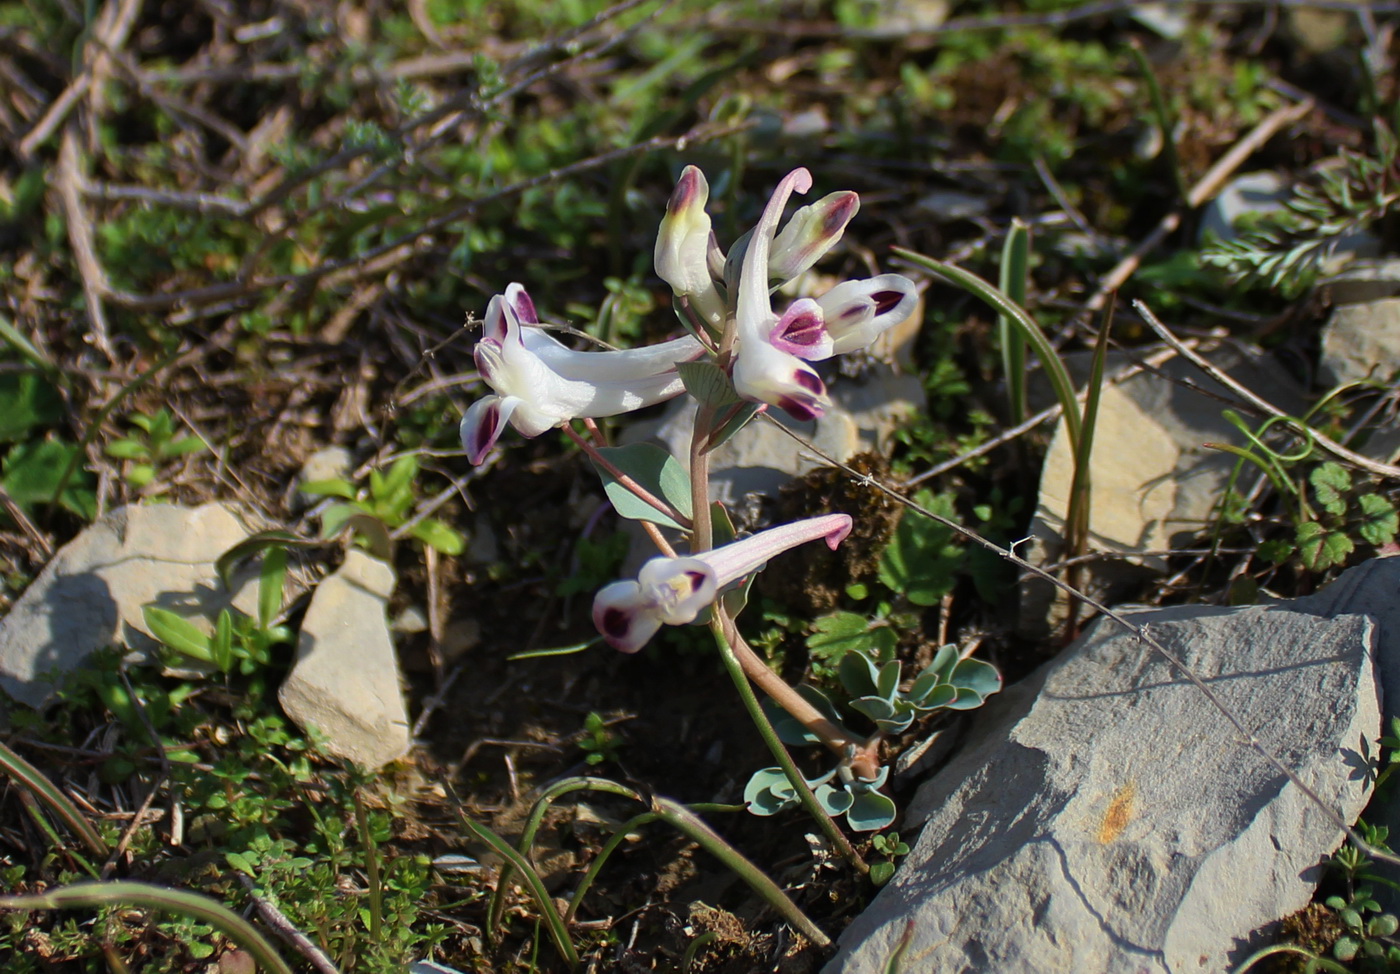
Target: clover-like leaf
(1330, 482)
(1320, 547)
(1379, 523)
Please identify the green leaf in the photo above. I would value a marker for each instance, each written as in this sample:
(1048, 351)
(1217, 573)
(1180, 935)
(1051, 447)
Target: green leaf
(397, 485)
(32, 472)
(1320, 548)
(707, 383)
(742, 415)
(221, 647)
(27, 400)
(881, 872)
(1330, 483)
(184, 445)
(329, 488)
(177, 633)
(975, 681)
(271, 578)
(768, 792)
(842, 632)
(1378, 523)
(870, 812)
(437, 534)
(922, 557)
(127, 449)
(655, 471)
(255, 543)
(1277, 550)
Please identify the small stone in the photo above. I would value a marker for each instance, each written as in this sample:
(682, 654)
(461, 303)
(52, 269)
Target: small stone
(92, 593)
(1103, 816)
(345, 681)
(332, 463)
(1362, 341)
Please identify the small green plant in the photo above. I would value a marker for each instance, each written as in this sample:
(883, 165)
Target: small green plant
(151, 444)
(389, 499)
(1286, 250)
(889, 845)
(600, 743)
(874, 692)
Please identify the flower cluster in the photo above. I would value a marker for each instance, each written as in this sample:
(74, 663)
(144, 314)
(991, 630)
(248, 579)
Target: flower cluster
(538, 383)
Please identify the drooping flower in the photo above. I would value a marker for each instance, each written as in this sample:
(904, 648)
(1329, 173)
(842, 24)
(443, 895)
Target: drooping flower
(673, 591)
(539, 383)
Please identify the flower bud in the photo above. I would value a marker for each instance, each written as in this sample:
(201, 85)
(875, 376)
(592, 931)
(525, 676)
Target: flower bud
(809, 234)
(683, 247)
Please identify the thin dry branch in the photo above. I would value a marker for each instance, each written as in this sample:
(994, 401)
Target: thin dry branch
(1264, 406)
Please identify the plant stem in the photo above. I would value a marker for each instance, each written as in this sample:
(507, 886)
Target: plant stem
(737, 673)
(863, 759)
(376, 897)
(702, 533)
(641, 492)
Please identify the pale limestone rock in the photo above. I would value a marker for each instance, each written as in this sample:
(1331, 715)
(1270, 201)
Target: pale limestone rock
(92, 593)
(1362, 341)
(1103, 816)
(345, 681)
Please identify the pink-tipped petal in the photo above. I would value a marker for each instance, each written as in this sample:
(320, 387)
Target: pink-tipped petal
(809, 234)
(519, 300)
(858, 312)
(482, 425)
(738, 559)
(802, 332)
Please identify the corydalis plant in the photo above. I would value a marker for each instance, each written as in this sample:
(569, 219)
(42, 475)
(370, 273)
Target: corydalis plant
(744, 355)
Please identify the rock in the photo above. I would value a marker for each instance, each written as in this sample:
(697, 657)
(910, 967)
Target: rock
(1104, 817)
(1364, 280)
(345, 681)
(1361, 341)
(864, 414)
(1153, 484)
(91, 594)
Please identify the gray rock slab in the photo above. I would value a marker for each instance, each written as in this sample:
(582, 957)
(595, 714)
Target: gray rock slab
(345, 681)
(1361, 341)
(1104, 817)
(91, 594)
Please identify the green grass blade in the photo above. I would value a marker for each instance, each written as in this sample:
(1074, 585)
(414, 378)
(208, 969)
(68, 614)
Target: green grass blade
(1020, 319)
(33, 779)
(1014, 271)
(554, 923)
(1077, 514)
(125, 893)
